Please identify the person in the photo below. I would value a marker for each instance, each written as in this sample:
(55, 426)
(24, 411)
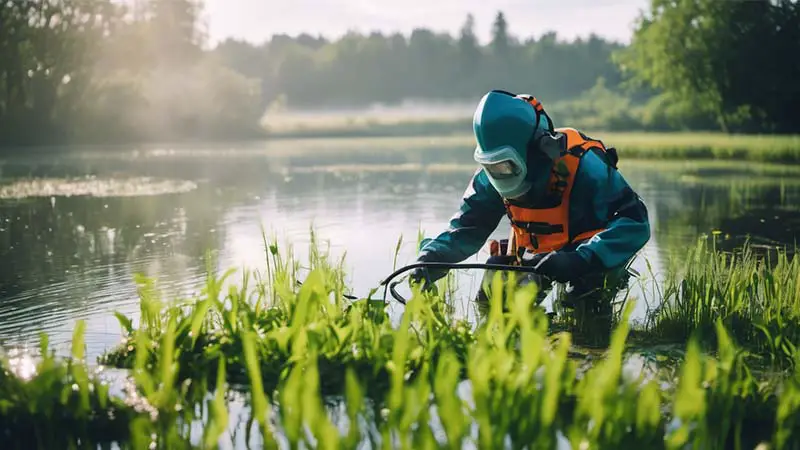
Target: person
(573, 215)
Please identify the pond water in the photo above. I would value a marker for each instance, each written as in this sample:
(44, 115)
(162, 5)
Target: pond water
(76, 224)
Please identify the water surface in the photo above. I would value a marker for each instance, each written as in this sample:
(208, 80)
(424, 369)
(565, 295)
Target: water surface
(76, 224)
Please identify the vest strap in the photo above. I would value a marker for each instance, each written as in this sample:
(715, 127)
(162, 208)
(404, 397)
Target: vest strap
(540, 227)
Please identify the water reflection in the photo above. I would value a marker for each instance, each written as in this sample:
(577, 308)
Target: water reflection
(70, 257)
(65, 258)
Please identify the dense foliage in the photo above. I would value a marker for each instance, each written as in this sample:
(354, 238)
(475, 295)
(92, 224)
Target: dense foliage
(89, 70)
(721, 61)
(77, 70)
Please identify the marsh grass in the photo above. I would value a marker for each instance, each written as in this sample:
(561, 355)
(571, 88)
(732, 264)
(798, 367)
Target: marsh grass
(286, 323)
(430, 379)
(756, 298)
(453, 147)
(693, 145)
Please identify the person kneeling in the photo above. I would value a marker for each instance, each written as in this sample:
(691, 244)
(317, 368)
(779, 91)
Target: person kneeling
(573, 215)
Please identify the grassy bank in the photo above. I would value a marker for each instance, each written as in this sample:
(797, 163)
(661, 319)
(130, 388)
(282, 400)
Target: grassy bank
(314, 369)
(456, 132)
(703, 146)
(631, 145)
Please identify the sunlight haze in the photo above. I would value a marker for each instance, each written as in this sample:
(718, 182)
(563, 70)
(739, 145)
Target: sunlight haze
(257, 20)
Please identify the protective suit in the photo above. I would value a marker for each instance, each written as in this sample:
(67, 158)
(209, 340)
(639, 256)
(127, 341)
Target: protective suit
(573, 214)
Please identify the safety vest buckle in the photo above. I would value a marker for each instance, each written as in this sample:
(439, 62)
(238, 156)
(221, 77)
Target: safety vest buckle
(541, 227)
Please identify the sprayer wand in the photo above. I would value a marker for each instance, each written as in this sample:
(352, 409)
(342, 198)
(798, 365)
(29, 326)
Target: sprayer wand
(390, 287)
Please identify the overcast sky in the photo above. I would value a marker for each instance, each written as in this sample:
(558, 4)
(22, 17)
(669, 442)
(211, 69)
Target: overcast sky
(256, 20)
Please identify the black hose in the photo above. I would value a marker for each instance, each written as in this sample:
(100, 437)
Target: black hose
(395, 294)
(390, 287)
(450, 266)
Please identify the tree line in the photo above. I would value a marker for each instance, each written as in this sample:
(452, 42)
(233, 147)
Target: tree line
(100, 70)
(359, 69)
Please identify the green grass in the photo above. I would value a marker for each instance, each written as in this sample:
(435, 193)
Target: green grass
(317, 370)
(287, 321)
(632, 145)
(756, 298)
(693, 145)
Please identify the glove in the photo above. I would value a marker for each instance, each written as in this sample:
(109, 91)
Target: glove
(419, 275)
(423, 275)
(560, 266)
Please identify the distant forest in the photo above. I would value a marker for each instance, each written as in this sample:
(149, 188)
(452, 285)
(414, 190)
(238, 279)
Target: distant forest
(361, 69)
(100, 71)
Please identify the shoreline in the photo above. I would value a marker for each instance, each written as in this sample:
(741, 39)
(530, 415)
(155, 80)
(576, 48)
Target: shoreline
(630, 144)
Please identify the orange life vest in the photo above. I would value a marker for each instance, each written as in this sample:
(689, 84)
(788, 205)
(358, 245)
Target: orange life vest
(542, 230)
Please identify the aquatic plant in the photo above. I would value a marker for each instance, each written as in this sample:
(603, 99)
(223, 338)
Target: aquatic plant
(288, 324)
(314, 369)
(518, 389)
(756, 298)
(52, 403)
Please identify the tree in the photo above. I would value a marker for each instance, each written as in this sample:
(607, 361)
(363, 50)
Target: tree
(718, 58)
(468, 46)
(176, 30)
(241, 56)
(105, 70)
(47, 49)
(500, 39)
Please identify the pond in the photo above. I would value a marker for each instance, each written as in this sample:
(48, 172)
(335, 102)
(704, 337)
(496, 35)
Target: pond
(76, 224)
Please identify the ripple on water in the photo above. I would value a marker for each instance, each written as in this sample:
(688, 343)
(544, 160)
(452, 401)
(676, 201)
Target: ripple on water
(93, 295)
(94, 187)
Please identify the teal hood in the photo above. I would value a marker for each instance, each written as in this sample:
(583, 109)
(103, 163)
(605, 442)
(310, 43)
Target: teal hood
(504, 125)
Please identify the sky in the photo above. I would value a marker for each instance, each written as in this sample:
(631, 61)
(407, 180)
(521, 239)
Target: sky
(257, 20)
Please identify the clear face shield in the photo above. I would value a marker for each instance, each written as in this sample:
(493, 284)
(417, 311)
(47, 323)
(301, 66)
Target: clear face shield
(503, 170)
(506, 170)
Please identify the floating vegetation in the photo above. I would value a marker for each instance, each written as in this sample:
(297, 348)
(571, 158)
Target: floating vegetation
(93, 186)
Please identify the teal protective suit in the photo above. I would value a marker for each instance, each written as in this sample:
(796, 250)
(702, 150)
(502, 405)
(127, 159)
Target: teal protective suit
(600, 198)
